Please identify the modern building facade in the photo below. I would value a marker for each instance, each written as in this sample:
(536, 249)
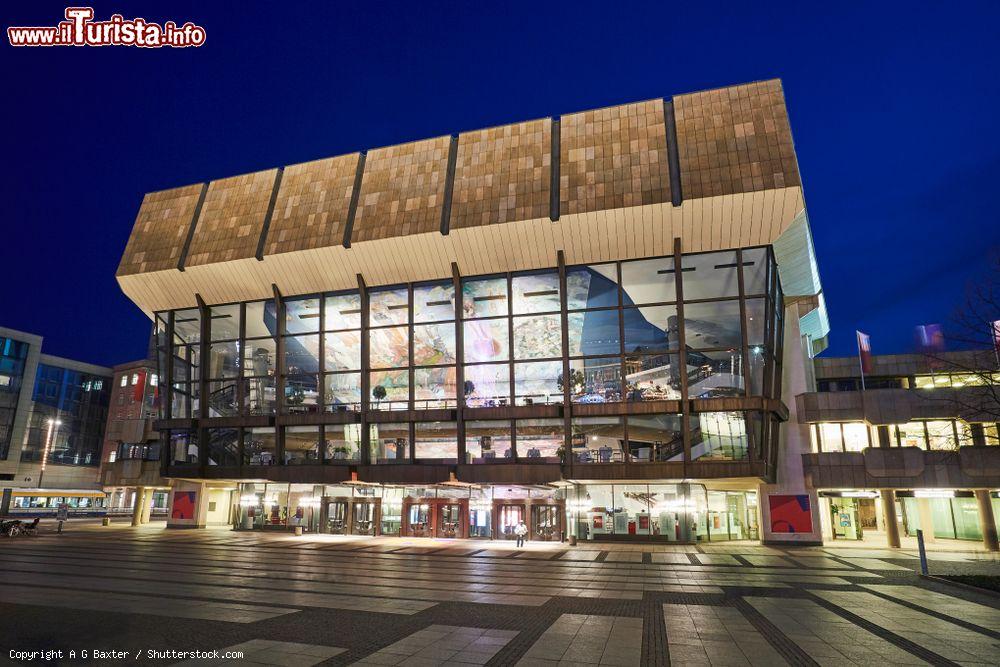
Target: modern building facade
(917, 441)
(52, 419)
(597, 323)
(130, 458)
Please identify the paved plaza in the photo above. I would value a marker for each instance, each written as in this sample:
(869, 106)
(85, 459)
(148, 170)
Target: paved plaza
(277, 599)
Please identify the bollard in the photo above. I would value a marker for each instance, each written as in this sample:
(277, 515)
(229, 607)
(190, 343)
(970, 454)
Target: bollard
(106, 521)
(59, 529)
(298, 531)
(923, 552)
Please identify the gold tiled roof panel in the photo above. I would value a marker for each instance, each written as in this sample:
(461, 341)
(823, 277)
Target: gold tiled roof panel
(735, 139)
(502, 174)
(613, 158)
(232, 218)
(402, 190)
(312, 204)
(160, 229)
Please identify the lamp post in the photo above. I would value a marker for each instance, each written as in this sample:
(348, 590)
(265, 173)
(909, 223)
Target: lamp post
(53, 425)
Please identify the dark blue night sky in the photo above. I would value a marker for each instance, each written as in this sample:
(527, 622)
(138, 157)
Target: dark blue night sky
(894, 110)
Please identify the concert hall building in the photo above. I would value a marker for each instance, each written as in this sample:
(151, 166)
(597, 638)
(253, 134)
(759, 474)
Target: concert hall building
(596, 323)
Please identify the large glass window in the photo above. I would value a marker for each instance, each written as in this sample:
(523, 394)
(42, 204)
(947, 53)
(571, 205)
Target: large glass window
(540, 440)
(719, 436)
(594, 286)
(649, 281)
(259, 447)
(710, 275)
(301, 445)
(487, 385)
(390, 390)
(390, 443)
(342, 443)
(536, 293)
(655, 438)
(486, 340)
(223, 447)
(538, 383)
(302, 315)
(484, 297)
(488, 442)
(595, 380)
(598, 439)
(436, 442)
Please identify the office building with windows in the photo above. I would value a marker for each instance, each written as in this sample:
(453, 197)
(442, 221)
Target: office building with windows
(130, 458)
(52, 418)
(596, 323)
(912, 445)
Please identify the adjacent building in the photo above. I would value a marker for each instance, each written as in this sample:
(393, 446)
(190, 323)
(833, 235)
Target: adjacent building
(915, 439)
(600, 323)
(52, 419)
(130, 458)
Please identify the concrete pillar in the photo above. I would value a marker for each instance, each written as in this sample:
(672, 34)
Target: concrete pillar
(139, 496)
(889, 518)
(926, 519)
(147, 504)
(987, 521)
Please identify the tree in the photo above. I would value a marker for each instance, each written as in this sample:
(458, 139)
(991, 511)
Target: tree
(379, 394)
(977, 399)
(577, 381)
(469, 388)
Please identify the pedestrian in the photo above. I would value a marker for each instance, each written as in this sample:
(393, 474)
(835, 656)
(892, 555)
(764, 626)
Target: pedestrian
(521, 530)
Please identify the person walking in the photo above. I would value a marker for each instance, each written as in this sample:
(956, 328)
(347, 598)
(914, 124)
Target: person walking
(520, 531)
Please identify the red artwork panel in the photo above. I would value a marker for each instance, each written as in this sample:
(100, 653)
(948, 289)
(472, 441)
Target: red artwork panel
(790, 514)
(183, 507)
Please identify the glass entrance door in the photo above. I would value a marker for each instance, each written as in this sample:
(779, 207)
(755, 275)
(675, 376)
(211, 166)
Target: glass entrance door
(545, 522)
(364, 518)
(449, 520)
(337, 517)
(510, 516)
(418, 519)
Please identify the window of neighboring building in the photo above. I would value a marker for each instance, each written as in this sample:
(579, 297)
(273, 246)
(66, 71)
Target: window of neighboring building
(124, 381)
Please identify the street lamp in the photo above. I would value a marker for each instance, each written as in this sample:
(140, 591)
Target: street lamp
(53, 425)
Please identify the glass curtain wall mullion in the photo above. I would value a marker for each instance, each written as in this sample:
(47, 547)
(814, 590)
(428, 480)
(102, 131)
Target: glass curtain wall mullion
(682, 353)
(281, 371)
(567, 379)
(512, 380)
(747, 367)
(411, 376)
(622, 377)
(204, 345)
(241, 389)
(460, 393)
(366, 373)
(321, 376)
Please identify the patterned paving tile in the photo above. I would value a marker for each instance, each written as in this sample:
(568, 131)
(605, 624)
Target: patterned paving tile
(951, 641)
(709, 635)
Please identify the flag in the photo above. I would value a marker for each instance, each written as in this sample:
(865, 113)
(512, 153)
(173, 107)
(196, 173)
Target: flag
(930, 338)
(140, 387)
(865, 352)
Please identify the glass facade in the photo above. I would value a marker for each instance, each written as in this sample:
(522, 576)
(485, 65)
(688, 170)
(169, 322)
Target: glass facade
(599, 338)
(929, 434)
(662, 512)
(13, 354)
(68, 416)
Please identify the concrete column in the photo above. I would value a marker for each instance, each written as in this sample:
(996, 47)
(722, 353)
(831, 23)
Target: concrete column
(889, 518)
(137, 506)
(926, 519)
(147, 504)
(986, 520)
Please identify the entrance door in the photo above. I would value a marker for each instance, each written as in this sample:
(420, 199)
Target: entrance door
(449, 521)
(844, 519)
(545, 522)
(364, 518)
(419, 520)
(510, 516)
(479, 522)
(337, 517)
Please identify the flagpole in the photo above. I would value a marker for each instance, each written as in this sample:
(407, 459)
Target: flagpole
(861, 360)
